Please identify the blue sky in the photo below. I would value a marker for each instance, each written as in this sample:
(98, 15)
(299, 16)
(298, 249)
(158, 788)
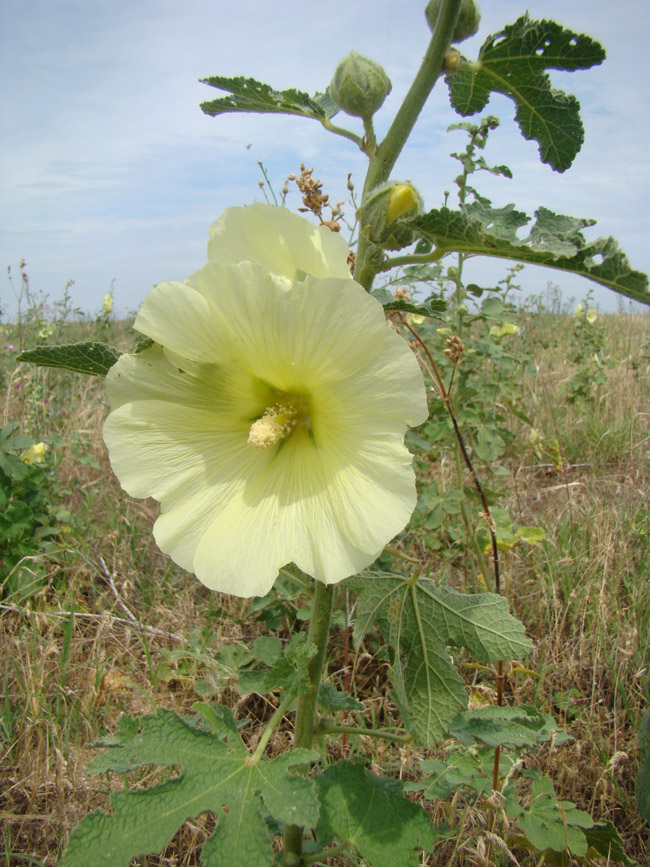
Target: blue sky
(110, 171)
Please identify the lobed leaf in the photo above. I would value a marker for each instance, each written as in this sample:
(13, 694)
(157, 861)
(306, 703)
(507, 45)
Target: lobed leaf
(372, 814)
(93, 358)
(214, 774)
(420, 621)
(249, 95)
(515, 727)
(513, 62)
(549, 823)
(554, 240)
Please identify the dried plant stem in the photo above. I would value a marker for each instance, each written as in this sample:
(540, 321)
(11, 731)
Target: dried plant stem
(432, 369)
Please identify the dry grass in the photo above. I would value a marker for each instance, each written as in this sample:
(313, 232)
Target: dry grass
(95, 642)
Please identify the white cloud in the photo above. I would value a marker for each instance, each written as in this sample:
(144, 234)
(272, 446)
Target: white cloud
(110, 169)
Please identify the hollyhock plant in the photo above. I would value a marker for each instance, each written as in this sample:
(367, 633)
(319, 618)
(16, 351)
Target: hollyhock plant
(269, 416)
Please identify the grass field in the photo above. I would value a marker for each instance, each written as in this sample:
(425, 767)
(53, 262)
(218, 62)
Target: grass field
(97, 622)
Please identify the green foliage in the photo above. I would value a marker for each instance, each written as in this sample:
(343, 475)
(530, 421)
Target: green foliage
(463, 769)
(371, 814)
(554, 240)
(275, 665)
(643, 774)
(513, 62)
(547, 822)
(603, 839)
(216, 770)
(249, 95)
(588, 355)
(94, 359)
(432, 307)
(419, 621)
(521, 726)
(29, 514)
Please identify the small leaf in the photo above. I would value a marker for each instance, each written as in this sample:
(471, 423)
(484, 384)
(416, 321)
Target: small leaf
(249, 95)
(372, 814)
(333, 700)
(513, 62)
(607, 842)
(549, 823)
(514, 727)
(95, 359)
(472, 769)
(213, 774)
(433, 308)
(555, 241)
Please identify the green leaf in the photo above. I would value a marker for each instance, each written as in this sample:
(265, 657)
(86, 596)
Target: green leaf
(521, 726)
(333, 700)
(472, 769)
(549, 823)
(604, 838)
(555, 241)
(92, 358)
(643, 775)
(249, 95)
(434, 307)
(213, 774)
(513, 62)
(372, 814)
(420, 621)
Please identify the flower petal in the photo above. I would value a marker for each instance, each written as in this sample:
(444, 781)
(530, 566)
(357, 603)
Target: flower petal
(232, 342)
(281, 241)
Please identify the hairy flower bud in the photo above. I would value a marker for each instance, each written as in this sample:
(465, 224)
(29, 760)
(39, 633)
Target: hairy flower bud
(359, 86)
(383, 212)
(467, 23)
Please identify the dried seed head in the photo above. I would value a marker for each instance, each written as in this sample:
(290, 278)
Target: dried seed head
(454, 347)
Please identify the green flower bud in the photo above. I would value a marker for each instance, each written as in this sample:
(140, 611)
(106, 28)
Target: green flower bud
(359, 86)
(384, 212)
(468, 21)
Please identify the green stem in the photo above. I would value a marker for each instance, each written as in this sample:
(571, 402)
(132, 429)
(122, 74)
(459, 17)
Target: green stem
(326, 854)
(415, 259)
(338, 130)
(389, 150)
(270, 726)
(319, 627)
(329, 728)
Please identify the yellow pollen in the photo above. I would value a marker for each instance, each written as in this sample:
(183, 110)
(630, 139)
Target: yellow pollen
(276, 423)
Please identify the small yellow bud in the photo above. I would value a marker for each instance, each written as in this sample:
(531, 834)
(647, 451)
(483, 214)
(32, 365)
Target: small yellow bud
(402, 198)
(34, 454)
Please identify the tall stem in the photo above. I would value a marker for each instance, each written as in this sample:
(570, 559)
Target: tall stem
(319, 628)
(385, 157)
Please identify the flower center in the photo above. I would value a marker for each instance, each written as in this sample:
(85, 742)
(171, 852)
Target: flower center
(278, 422)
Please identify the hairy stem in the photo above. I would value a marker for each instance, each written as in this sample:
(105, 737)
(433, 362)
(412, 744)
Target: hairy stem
(319, 628)
(386, 154)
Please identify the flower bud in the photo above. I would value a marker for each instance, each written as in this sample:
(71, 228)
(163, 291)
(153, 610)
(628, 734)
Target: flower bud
(359, 86)
(384, 212)
(452, 61)
(467, 23)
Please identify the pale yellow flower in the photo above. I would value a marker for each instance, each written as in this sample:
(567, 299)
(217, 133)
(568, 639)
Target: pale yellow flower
(35, 454)
(107, 305)
(269, 417)
(504, 328)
